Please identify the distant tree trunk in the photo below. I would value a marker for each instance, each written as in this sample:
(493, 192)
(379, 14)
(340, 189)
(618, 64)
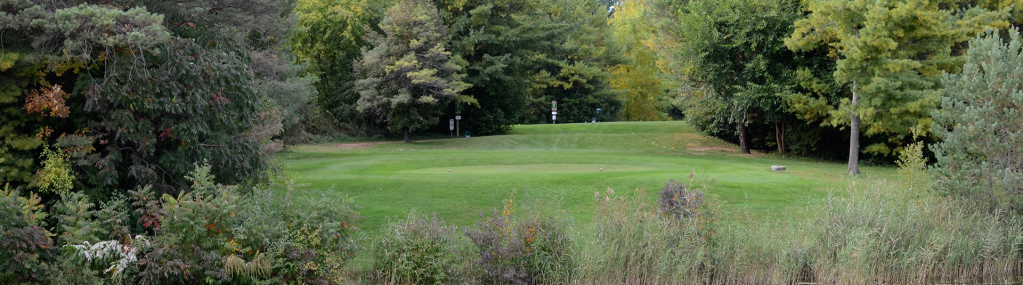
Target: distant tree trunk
(744, 135)
(779, 136)
(854, 136)
(408, 135)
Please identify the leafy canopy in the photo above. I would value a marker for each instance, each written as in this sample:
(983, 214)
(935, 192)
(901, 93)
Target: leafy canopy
(894, 52)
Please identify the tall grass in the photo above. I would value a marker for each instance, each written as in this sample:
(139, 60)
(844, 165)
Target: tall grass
(876, 232)
(637, 242)
(890, 234)
(881, 233)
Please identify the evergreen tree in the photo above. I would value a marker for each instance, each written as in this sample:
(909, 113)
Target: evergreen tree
(889, 54)
(571, 64)
(980, 123)
(495, 38)
(409, 76)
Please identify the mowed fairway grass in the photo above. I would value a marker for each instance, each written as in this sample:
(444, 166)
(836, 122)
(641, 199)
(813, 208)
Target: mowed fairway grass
(562, 163)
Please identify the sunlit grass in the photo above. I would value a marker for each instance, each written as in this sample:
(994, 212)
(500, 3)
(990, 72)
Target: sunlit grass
(560, 162)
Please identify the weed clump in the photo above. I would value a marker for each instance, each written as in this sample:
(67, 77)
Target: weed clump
(529, 248)
(676, 202)
(417, 250)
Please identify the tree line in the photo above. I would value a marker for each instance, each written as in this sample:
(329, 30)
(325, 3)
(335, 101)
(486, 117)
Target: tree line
(122, 121)
(133, 93)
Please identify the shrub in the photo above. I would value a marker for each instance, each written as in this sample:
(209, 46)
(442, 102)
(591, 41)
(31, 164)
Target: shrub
(417, 250)
(676, 202)
(526, 248)
(307, 240)
(981, 126)
(24, 242)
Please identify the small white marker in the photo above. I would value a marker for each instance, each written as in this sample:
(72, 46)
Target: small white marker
(449, 170)
(601, 169)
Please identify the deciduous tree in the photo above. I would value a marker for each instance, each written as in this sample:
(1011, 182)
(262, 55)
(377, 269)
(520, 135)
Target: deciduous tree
(736, 48)
(639, 79)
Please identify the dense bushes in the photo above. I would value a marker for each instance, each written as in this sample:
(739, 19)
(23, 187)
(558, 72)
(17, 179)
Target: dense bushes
(211, 233)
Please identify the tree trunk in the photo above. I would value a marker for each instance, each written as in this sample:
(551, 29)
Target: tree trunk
(779, 136)
(854, 136)
(743, 135)
(408, 135)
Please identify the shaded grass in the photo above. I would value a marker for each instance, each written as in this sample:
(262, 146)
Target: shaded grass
(391, 178)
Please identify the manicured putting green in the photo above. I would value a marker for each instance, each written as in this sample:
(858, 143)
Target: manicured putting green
(527, 168)
(560, 163)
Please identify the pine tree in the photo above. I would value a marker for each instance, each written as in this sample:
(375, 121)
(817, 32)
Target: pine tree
(409, 75)
(981, 125)
(889, 55)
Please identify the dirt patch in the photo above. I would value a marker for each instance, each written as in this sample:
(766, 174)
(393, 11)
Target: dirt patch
(712, 148)
(752, 153)
(688, 137)
(359, 145)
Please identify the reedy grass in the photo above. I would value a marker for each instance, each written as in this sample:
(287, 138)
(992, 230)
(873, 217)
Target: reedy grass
(879, 232)
(885, 232)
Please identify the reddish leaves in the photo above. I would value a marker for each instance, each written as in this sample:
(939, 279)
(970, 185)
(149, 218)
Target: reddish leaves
(48, 99)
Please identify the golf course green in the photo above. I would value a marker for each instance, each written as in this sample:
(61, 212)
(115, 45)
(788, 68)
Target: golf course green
(459, 178)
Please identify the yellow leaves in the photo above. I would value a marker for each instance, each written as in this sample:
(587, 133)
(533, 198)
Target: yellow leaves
(56, 175)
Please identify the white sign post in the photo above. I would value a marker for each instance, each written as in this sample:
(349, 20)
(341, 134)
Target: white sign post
(554, 112)
(458, 119)
(451, 126)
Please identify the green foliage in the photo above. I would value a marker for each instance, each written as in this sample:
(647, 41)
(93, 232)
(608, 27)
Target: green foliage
(24, 242)
(979, 123)
(79, 220)
(572, 65)
(645, 99)
(310, 239)
(496, 39)
(409, 75)
(417, 250)
(188, 103)
(736, 49)
(330, 36)
(18, 144)
(522, 55)
(218, 234)
(890, 55)
(69, 35)
(289, 105)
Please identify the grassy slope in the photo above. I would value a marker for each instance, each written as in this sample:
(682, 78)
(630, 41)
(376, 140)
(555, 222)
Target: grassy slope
(561, 162)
